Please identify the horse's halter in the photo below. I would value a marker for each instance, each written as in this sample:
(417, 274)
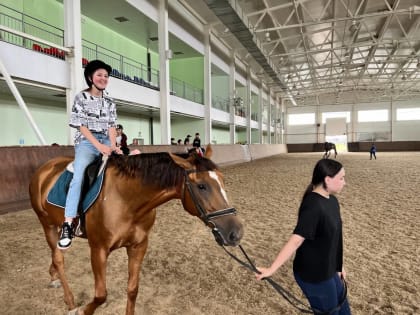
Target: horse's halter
(207, 218)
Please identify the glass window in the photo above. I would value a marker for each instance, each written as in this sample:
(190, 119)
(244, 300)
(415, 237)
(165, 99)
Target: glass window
(302, 119)
(372, 115)
(335, 115)
(408, 113)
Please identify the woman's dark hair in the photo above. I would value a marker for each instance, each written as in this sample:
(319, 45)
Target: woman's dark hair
(91, 67)
(322, 169)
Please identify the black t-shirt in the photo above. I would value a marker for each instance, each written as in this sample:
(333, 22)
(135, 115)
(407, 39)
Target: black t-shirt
(196, 143)
(321, 254)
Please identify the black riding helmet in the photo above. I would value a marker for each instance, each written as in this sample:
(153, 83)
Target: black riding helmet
(91, 67)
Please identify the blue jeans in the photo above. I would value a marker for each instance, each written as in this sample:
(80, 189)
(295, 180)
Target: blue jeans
(325, 295)
(85, 153)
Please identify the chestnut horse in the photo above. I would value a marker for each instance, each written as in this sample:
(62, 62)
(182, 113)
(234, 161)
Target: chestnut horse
(124, 212)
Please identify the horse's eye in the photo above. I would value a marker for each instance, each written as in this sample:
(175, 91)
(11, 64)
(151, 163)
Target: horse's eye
(201, 186)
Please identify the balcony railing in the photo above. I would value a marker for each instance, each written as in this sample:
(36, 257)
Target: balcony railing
(123, 68)
(222, 103)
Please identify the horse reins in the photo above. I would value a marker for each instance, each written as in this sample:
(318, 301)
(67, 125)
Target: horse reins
(207, 219)
(289, 297)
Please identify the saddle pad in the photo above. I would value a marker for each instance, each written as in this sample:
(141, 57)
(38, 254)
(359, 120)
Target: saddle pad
(58, 193)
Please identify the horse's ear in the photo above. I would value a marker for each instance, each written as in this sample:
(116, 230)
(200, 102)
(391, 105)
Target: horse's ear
(209, 151)
(184, 163)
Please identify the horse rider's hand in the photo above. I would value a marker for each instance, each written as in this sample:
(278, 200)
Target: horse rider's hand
(264, 273)
(105, 150)
(117, 150)
(342, 274)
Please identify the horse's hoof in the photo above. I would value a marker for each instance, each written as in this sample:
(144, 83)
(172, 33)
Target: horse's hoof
(76, 311)
(55, 284)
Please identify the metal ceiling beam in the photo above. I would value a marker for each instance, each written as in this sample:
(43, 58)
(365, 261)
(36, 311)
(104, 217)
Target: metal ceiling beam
(379, 35)
(238, 27)
(415, 54)
(408, 11)
(306, 48)
(281, 39)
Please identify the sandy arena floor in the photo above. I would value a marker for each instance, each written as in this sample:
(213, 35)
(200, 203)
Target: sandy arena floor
(186, 272)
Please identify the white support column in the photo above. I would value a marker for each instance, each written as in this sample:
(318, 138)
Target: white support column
(248, 106)
(286, 113)
(73, 40)
(207, 87)
(353, 117)
(260, 113)
(391, 120)
(318, 121)
(283, 120)
(164, 55)
(269, 117)
(276, 123)
(232, 92)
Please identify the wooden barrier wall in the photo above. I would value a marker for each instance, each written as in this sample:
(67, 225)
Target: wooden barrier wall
(17, 166)
(358, 146)
(19, 163)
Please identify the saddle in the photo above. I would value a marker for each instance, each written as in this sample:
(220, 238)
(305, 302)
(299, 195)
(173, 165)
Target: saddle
(91, 187)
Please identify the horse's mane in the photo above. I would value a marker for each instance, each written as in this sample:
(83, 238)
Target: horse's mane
(157, 168)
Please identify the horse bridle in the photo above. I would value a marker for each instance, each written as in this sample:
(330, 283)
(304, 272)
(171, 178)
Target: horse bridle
(206, 217)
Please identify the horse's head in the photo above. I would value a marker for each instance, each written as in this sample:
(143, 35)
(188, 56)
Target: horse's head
(204, 195)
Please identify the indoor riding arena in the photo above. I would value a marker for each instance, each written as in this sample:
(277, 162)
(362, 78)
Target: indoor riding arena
(186, 271)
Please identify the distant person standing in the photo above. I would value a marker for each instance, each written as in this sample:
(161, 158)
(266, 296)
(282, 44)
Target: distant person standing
(373, 151)
(122, 140)
(197, 144)
(187, 139)
(173, 141)
(179, 142)
(197, 141)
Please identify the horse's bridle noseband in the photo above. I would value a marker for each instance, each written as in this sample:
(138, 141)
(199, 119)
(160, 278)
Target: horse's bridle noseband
(206, 217)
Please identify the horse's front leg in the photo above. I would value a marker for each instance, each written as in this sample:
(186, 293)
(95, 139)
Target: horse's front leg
(98, 260)
(57, 264)
(135, 254)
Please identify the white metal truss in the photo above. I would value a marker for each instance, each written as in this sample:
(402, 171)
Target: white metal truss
(333, 51)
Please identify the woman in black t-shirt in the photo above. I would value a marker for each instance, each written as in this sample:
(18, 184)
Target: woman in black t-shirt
(318, 242)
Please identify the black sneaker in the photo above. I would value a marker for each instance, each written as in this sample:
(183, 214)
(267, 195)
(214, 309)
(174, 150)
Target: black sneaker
(65, 236)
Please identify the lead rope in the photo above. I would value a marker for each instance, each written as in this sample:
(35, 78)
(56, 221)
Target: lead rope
(295, 302)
